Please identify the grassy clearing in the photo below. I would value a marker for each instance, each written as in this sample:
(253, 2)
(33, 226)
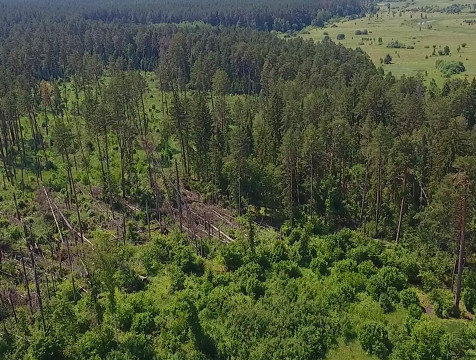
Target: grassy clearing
(437, 29)
(351, 351)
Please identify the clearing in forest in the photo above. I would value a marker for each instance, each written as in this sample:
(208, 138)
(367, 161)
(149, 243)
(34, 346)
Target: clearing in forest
(414, 35)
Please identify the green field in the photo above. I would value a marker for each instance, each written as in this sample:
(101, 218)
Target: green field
(421, 30)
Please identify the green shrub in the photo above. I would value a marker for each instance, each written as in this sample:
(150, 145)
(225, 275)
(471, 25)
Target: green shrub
(155, 254)
(409, 297)
(404, 260)
(138, 345)
(340, 36)
(469, 279)
(469, 299)
(343, 295)
(386, 277)
(343, 266)
(414, 315)
(143, 323)
(395, 44)
(442, 302)
(44, 347)
(426, 339)
(448, 68)
(373, 338)
(386, 303)
(367, 268)
(287, 269)
(233, 256)
(429, 281)
(415, 311)
(319, 265)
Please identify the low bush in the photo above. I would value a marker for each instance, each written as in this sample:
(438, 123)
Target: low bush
(448, 68)
(469, 299)
(409, 297)
(442, 302)
(373, 338)
(429, 281)
(395, 44)
(385, 278)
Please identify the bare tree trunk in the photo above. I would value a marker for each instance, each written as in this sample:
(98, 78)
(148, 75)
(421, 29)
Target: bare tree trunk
(364, 194)
(63, 240)
(75, 196)
(27, 284)
(148, 217)
(179, 200)
(13, 307)
(38, 293)
(461, 251)
(378, 201)
(402, 207)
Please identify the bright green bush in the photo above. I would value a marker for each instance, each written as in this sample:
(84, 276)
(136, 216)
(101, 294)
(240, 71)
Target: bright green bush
(442, 302)
(319, 265)
(469, 299)
(373, 338)
(448, 68)
(409, 297)
(386, 277)
(386, 303)
(404, 260)
(415, 311)
(367, 268)
(426, 338)
(429, 281)
(143, 323)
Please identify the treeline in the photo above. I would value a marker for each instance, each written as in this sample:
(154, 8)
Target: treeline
(265, 15)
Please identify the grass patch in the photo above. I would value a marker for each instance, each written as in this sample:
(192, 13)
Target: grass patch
(352, 351)
(424, 34)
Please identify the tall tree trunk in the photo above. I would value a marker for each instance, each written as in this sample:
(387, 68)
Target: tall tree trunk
(402, 207)
(461, 250)
(378, 201)
(27, 284)
(38, 293)
(179, 200)
(75, 197)
(364, 194)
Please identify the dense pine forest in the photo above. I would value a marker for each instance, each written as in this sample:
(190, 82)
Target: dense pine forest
(178, 182)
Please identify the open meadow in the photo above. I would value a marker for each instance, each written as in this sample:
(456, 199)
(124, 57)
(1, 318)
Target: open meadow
(421, 31)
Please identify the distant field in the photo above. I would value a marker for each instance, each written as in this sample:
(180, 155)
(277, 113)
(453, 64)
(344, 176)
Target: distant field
(422, 30)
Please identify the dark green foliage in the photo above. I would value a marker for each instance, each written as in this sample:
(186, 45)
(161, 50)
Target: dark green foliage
(389, 300)
(408, 297)
(386, 303)
(469, 298)
(429, 281)
(319, 265)
(403, 259)
(44, 347)
(442, 302)
(395, 44)
(387, 277)
(449, 68)
(373, 338)
(367, 268)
